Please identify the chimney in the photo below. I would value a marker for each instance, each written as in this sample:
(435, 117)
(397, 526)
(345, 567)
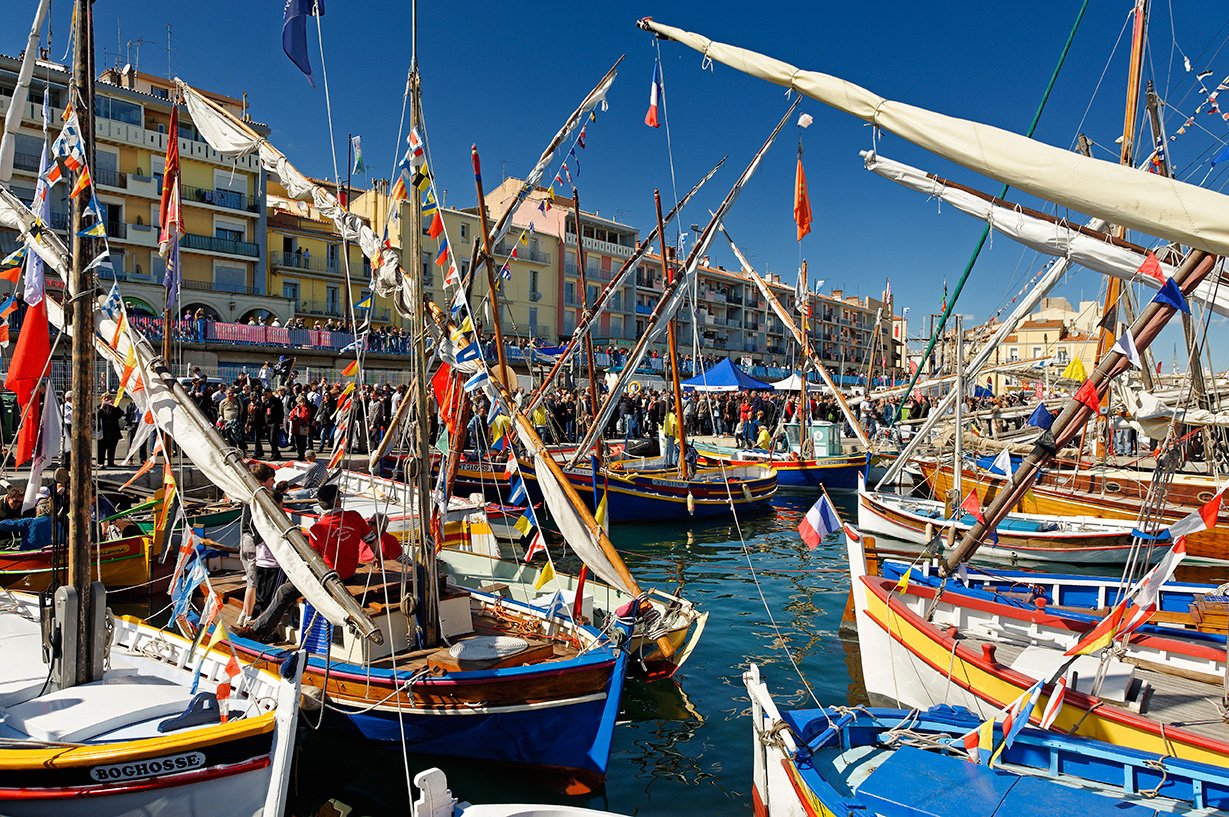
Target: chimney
(837, 293)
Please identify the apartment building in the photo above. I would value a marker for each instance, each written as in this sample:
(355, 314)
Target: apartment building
(224, 250)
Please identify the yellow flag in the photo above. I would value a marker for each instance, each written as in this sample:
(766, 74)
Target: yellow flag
(902, 586)
(349, 388)
(985, 740)
(545, 576)
(523, 525)
(524, 240)
(218, 634)
(1075, 370)
(601, 514)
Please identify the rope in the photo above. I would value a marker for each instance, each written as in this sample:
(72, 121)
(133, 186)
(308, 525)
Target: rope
(985, 233)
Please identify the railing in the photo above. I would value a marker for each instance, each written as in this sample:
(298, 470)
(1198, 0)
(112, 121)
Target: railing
(110, 178)
(220, 286)
(27, 161)
(117, 229)
(327, 308)
(523, 253)
(297, 260)
(229, 199)
(240, 334)
(192, 241)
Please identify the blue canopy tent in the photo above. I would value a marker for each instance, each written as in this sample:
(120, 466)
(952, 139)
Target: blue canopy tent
(725, 376)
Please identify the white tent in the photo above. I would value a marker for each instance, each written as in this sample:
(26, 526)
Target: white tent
(794, 383)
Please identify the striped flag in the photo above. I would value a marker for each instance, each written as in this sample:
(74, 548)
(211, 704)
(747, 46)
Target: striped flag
(1055, 704)
(656, 97)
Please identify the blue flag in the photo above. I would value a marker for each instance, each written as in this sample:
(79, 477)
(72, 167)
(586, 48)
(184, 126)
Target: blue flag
(1041, 417)
(1170, 295)
(1222, 156)
(294, 32)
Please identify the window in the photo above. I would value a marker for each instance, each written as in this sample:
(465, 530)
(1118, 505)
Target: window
(161, 93)
(591, 293)
(332, 301)
(464, 268)
(569, 293)
(290, 291)
(533, 280)
(332, 254)
(426, 266)
(230, 279)
(229, 230)
(1037, 351)
(533, 320)
(118, 110)
(464, 231)
(1063, 354)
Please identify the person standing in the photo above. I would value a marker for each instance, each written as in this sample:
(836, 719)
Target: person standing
(110, 427)
(300, 426)
(275, 417)
(249, 541)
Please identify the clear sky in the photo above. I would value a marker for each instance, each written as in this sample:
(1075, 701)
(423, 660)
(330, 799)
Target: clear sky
(504, 75)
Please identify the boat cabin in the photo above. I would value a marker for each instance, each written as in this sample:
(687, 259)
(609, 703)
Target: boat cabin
(825, 438)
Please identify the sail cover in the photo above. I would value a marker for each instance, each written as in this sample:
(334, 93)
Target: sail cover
(178, 416)
(579, 536)
(1042, 235)
(1156, 205)
(230, 137)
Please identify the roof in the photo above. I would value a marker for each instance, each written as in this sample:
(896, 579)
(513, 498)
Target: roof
(725, 376)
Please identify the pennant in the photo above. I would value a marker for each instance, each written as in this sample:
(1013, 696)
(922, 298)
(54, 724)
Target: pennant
(820, 520)
(422, 179)
(339, 453)
(469, 353)
(232, 666)
(1087, 394)
(902, 584)
(417, 150)
(1019, 714)
(538, 546)
(1102, 635)
(985, 741)
(98, 230)
(15, 257)
(356, 145)
(1171, 295)
(437, 226)
(510, 466)
(1055, 704)
(657, 93)
(971, 504)
(602, 514)
(130, 365)
(1125, 346)
(8, 307)
(442, 257)
(4, 333)
(1041, 417)
(83, 182)
(11, 274)
(452, 277)
(1075, 370)
(580, 137)
(1002, 464)
(476, 381)
(351, 369)
(802, 201)
(518, 494)
(1201, 519)
(31, 354)
(524, 524)
(294, 33)
(545, 576)
(1152, 268)
(365, 303)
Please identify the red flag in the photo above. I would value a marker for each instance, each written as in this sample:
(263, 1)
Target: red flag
(83, 181)
(802, 201)
(972, 504)
(656, 92)
(27, 435)
(30, 355)
(1152, 268)
(447, 396)
(11, 274)
(170, 174)
(437, 226)
(1087, 395)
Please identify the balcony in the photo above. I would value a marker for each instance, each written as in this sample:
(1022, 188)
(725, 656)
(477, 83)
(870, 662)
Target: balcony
(208, 243)
(220, 286)
(522, 253)
(221, 198)
(110, 178)
(117, 229)
(326, 308)
(641, 309)
(297, 260)
(27, 161)
(604, 247)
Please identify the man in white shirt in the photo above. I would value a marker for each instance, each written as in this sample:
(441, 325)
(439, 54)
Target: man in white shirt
(265, 375)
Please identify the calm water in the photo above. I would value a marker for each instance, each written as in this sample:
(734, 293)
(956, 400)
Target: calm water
(682, 747)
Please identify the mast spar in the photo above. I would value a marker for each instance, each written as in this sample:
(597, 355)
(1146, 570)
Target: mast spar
(672, 341)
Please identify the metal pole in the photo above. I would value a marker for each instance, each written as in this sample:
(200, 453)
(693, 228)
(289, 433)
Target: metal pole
(672, 342)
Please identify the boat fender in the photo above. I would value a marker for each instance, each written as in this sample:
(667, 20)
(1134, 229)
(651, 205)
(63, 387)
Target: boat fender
(930, 531)
(202, 710)
(289, 666)
(746, 492)
(311, 698)
(691, 504)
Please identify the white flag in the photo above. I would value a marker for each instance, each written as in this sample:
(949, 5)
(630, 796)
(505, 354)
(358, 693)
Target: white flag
(1125, 346)
(50, 445)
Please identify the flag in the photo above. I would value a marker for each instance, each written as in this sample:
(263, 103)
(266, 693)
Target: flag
(1125, 346)
(351, 369)
(437, 226)
(510, 466)
(1087, 394)
(943, 308)
(130, 365)
(545, 576)
(476, 381)
(15, 257)
(985, 740)
(442, 258)
(526, 522)
(971, 504)
(416, 150)
(338, 453)
(1041, 417)
(31, 354)
(8, 307)
(970, 742)
(1055, 704)
(1152, 268)
(1103, 634)
(517, 493)
(34, 285)
(1204, 518)
(468, 353)
(1171, 295)
(170, 210)
(1075, 370)
(294, 33)
(657, 93)
(802, 201)
(602, 514)
(223, 690)
(83, 182)
(1002, 464)
(356, 145)
(11, 274)
(4, 333)
(902, 584)
(820, 521)
(538, 546)
(1019, 714)
(98, 230)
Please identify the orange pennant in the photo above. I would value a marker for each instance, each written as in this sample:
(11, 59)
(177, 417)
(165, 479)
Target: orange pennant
(83, 181)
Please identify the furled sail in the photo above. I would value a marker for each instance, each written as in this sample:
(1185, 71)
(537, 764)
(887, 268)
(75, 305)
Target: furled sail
(178, 415)
(1154, 415)
(20, 95)
(582, 538)
(1176, 211)
(672, 298)
(230, 136)
(1057, 238)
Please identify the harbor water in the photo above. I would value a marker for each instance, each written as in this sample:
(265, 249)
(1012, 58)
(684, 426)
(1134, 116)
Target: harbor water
(682, 746)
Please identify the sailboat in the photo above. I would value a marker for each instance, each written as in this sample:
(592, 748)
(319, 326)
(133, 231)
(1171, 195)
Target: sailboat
(106, 715)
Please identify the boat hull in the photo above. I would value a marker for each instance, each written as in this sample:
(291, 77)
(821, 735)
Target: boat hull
(886, 518)
(124, 563)
(831, 473)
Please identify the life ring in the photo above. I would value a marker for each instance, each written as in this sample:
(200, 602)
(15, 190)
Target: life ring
(1205, 496)
(1112, 487)
(635, 387)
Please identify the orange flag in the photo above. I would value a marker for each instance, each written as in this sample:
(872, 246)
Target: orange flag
(802, 201)
(83, 181)
(11, 274)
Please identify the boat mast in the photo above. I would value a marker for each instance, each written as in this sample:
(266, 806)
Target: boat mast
(806, 447)
(84, 649)
(1113, 289)
(958, 446)
(672, 342)
(496, 321)
(584, 310)
(427, 592)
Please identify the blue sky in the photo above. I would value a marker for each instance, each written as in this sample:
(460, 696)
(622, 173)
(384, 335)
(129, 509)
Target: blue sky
(505, 75)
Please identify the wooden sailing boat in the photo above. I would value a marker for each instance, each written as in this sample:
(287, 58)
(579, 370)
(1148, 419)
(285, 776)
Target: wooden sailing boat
(127, 718)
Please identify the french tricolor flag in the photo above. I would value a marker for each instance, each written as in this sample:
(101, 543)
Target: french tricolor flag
(820, 521)
(656, 93)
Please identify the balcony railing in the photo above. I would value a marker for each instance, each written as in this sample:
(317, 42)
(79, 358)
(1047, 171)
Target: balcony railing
(298, 260)
(327, 308)
(221, 286)
(221, 198)
(192, 241)
(110, 178)
(522, 253)
(27, 161)
(117, 229)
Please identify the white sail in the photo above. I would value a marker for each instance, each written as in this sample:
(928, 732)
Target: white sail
(1042, 235)
(580, 537)
(1153, 204)
(21, 94)
(179, 416)
(229, 136)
